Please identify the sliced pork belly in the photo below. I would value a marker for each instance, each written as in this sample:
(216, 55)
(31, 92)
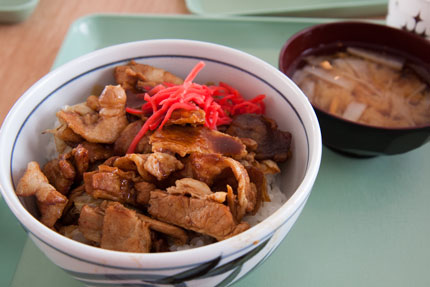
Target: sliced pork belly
(110, 183)
(213, 169)
(175, 232)
(184, 140)
(103, 126)
(124, 231)
(91, 223)
(134, 162)
(92, 219)
(196, 189)
(272, 143)
(126, 137)
(51, 203)
(61, 174)
(134, 75)
(151, 167)
(95, 152)
(205, 167)
(200, 215)
(143, 192)
(161, 165)
(258, 181)
(183, 117)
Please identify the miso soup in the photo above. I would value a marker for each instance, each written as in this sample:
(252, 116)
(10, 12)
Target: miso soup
(367, 87)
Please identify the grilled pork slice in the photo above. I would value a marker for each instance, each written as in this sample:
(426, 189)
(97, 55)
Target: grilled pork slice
(184, 117)
(150, 166)
(95, 152)
(161, 165)
(126, 137)
(175, 232)
(92, 220)
(184, 140)
(60, 173)
(50, 202)
(196, 189)
(133, 76)
(124, 231)
(91, 223)
(143, 192)
(69, 167)
(217, 170)
(272, 143)
(200, 215)
(102, 126)
(110, 183)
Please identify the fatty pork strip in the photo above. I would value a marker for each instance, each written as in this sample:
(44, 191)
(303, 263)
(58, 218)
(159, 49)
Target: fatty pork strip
(184, 140)
(120, 181)
(272, 143)
(161, 165)
(49, 201)
(178, 117)
(119, 228)
(60, 173)
(200, 215)
(196, 189)
(124, 231)
(101, 122)
(69, 167)
(126, 137)
(178, 234)
(114, 184)
(91, 223)
(151, 167)
(135, 76)
(214, 167)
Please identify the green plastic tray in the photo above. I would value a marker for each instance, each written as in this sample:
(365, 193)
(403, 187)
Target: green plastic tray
(14, 11)
(367, 220)
(304, 8)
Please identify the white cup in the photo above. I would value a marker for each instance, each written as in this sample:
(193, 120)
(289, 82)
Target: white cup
(410, 15)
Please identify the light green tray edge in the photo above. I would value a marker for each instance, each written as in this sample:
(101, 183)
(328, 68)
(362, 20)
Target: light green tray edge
(16, 13)
(309, 8)
(12, 240)
(365, 224)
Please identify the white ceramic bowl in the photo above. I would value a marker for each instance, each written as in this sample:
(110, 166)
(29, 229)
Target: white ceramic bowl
(219, 263)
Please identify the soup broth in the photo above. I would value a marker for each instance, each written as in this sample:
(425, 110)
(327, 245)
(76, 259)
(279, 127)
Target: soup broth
(367, 87)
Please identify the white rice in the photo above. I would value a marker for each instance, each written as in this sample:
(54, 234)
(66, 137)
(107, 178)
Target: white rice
(197, 241)
(277, 199)
(51, 149)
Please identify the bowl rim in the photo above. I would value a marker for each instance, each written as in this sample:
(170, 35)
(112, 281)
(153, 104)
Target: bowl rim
(167, 260)
(369, 25)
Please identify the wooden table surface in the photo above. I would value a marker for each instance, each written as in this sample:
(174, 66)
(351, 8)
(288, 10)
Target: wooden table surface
(28, 49)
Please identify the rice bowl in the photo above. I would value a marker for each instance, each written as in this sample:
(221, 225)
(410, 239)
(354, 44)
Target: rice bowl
(32, 113)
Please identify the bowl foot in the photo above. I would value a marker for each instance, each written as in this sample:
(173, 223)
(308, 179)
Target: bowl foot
(350, 154)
